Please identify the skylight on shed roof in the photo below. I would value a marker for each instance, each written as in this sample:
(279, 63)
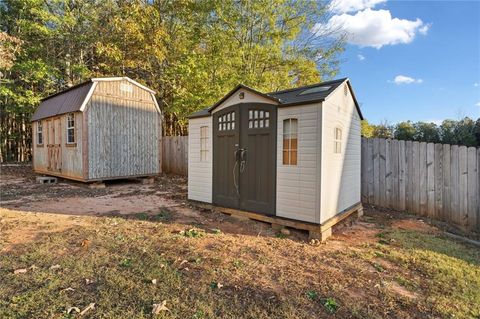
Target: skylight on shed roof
(316, 89)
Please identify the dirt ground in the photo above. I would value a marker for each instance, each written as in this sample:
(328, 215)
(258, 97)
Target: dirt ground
(380, 267)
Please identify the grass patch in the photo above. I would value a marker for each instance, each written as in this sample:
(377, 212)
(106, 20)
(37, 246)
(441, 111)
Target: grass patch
(331, 305)
(193, 233)
(452, 269)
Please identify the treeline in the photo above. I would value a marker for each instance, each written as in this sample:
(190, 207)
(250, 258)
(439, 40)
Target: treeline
(190, 52)
(463, 132)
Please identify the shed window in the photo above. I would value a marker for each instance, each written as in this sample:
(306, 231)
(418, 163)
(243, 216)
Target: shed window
(39, 133)
(258, 119)
(203, 143)
(226, 122)
(71, 128)
(290, 141)
(337, 148)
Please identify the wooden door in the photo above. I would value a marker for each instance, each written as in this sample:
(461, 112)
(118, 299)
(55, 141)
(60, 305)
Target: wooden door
(54, 144)
(244, 157)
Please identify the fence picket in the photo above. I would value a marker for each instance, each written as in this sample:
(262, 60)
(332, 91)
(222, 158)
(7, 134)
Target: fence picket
(401, 175)
(430, 179)
(472, 184)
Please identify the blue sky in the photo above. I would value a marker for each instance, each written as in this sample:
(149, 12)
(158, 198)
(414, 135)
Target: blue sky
(412, 60)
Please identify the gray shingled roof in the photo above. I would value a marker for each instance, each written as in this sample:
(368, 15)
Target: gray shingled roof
(69, 100)
(295, 95)
(290, 97)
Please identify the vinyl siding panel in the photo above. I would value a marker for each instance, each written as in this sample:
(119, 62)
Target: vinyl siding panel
(340, 178)
(249, 97)
(297, 185)
(200, 172)
(124, 129)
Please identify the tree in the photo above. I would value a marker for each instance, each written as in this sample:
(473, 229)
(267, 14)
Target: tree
(191, 52)
(367, 129)
(404, 131)
(383, 130)
(426, 132)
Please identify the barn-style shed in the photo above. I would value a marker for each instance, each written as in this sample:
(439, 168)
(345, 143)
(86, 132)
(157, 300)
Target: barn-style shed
(289, 157)
(101, 129)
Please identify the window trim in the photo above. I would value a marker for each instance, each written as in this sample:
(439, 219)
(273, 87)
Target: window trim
(337, 140)
(204, 143)
(39, 132)
(68, 127)
(290, 150)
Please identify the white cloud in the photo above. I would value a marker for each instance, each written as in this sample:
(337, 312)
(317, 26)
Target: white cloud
(344, 6)
(402, 79)
(478, 104)
(476, 84)
(360, 57)
(374, 28)
(424, 29)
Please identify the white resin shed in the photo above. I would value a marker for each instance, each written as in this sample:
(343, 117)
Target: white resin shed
(292, 154)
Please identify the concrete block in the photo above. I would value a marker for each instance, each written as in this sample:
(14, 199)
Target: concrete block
(46, 180)
(97, 185)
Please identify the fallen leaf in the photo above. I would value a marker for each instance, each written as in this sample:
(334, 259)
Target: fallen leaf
(85, 244)
(57, 266)
(69, 310)
(157, 307)
(90, 306)
(219, 285)
(154, 281)
(20, 271)
(67, 289)
(90, 281)
(33, 267)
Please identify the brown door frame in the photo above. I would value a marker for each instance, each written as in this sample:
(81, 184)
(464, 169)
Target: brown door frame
(240, 135)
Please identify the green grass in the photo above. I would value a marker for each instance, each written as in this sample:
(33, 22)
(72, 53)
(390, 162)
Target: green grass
(452, 270)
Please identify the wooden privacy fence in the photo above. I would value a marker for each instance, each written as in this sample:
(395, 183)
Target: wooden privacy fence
(175, 155)
(435, 180)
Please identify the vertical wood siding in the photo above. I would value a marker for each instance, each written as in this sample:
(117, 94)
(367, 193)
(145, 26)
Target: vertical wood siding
(39, 159)
(123, 132)
(434, 180)
(341, 173)
(199, 172)
(72, 160)
(297, 185)
(175, 160)
(71, 156)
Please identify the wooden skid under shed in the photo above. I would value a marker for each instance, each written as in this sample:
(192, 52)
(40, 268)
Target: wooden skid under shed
(316, 231)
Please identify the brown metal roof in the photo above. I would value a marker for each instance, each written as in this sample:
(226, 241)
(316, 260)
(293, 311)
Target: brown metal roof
(69, 100)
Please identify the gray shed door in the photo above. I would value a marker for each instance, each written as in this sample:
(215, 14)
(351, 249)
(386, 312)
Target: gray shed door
(244, 157)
